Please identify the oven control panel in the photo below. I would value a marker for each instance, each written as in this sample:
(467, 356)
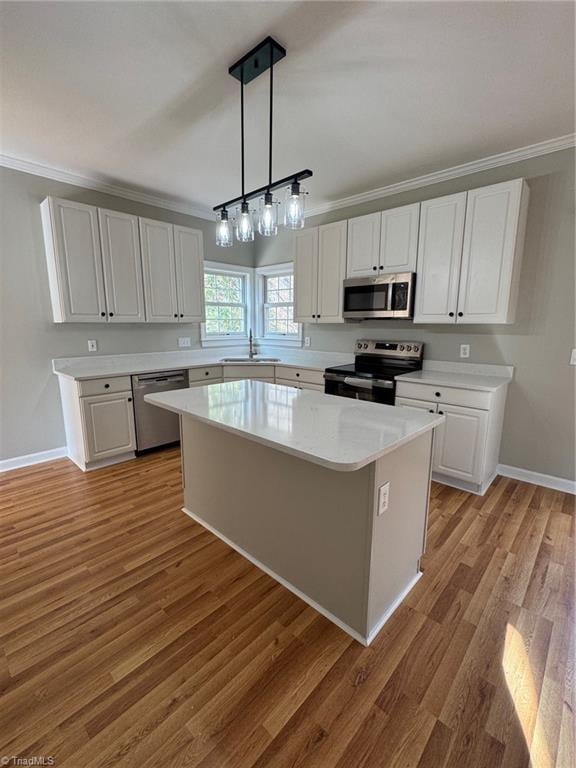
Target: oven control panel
(400, 349)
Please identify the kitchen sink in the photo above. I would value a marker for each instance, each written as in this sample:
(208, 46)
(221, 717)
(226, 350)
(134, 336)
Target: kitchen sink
(247, 359)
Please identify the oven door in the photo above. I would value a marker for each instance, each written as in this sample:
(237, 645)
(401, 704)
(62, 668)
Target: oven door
(373, 390)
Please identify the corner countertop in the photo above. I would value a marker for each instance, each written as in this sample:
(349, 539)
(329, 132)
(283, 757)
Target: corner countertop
(479, 377)
(95, 367)
(337, 433)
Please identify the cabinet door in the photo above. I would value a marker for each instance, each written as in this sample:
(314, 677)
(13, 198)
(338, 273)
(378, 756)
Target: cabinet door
(363, 245)
(491, 236)
(122, 267)
(189, 252)
(439, 257)
(108, 425)
(460, 442)
(74, 261)
(399, 239)
(159, 268)
(331, 271)
(306, 275)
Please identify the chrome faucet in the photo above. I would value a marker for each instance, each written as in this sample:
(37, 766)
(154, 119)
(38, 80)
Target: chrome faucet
(251, 350)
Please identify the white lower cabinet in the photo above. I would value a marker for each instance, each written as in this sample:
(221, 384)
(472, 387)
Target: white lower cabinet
(467, 444)
(109, 425)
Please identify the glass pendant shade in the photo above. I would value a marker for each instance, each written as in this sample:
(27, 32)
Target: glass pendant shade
(244, 225)
(268, 216)
(223, 230)
(294, 207)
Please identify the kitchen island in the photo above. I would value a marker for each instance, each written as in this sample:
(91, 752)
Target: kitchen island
(327, 495)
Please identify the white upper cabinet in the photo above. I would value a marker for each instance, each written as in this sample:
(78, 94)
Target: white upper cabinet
(364, 245)
(122, 267)
(159, 268)
(399, 239)
(189, 254)
(439, 256)
(306, 275)
(492, 253)
(74, 261)
(331, 271)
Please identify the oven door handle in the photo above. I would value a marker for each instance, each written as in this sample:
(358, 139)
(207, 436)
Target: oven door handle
(358, 383)
(383, 384)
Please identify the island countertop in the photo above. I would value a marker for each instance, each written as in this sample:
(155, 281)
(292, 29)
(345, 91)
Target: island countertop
(335, 432)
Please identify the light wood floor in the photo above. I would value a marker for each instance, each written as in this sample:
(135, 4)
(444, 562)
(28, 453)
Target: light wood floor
(132, 637)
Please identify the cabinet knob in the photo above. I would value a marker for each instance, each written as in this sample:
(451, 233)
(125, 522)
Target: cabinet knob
(206, 373)
(317, 317)
(441, 413)
(380, 267)
(176, 314)
(460, 314)
(431, 410)
(374, 268)
(106, 386)
(111, 314)
(297, 374)
(313, 315)
(181, 315)
(129, 399)
(102, 314)
(437, 394)
(450, 314)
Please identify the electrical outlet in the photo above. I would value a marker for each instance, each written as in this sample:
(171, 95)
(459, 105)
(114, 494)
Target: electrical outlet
(306, 341)
(184, 341)
(573, 357)
(92, 345)
(383, 498)
(464, 350)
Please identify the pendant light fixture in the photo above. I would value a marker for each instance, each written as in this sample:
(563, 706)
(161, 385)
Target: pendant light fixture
(260, 59)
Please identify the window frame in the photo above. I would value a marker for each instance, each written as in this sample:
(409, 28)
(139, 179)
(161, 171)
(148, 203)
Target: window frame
(272, 339)
(231, 340)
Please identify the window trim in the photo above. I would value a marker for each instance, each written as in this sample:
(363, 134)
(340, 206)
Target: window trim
(272, 340)
(240, 340)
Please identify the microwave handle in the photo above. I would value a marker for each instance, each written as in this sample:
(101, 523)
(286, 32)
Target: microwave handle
(390, 292)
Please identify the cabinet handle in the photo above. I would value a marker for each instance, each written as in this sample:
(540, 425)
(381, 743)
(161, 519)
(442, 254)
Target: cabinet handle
(206, 373)
(380, 267)
(437, 394)
(431, 411)
(297, 374)
(129, 399)
(313, 315)
(460, 314)
(317, 317)
(441, 413)
(176, 314)
(374, 268)
(450, 314)
(106, 386)
(111, 314)
(102, 314)
(181, 315)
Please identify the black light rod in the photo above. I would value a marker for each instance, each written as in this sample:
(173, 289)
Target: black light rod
(267, 188)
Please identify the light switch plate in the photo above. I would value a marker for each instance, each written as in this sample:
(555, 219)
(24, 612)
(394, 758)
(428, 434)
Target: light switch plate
(573, 357)
(383, 498)
(464, 350)
(184, 341)
(306, 341)
(92, 345)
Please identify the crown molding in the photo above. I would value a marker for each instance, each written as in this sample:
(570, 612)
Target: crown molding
(148, 198)
(92, 182)
(493, 161)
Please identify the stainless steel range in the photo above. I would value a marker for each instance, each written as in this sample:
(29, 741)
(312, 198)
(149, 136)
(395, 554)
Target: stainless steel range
(376, 364)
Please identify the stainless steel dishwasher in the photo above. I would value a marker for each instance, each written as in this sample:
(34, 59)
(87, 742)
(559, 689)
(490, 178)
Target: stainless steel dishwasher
(155, 426)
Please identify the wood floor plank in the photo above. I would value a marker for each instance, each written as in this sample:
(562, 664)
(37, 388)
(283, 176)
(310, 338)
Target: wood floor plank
(130, 636)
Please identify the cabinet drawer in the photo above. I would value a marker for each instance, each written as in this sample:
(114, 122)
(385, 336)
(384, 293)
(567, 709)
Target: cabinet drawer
(201, 374)
(440, 394)
(300, 384)
(308, 375)
(105, 386)
(255, 371)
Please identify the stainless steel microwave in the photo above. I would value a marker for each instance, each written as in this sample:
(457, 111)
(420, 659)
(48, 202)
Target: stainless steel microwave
(385, 296)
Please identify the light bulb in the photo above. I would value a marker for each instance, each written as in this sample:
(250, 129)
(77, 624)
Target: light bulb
(268, 219)
(223, 230)
(294, 207)
(244, 225)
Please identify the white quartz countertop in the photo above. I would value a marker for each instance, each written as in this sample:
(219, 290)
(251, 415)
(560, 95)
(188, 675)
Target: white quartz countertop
(476, 381)
(122, 365)
(335, 432)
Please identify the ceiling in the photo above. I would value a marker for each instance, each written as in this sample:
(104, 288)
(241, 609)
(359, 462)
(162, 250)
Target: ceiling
(370, 93)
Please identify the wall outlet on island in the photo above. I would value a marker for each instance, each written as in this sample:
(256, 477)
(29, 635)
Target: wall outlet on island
(184, 341)
(573, 357)
(306, 341)
(464, 350)
(92, 345)
(383, 498)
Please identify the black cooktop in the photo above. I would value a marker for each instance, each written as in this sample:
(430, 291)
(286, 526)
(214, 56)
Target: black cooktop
(387, 372)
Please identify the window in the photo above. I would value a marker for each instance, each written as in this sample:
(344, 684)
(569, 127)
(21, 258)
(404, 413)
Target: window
(276, 305)
(227, 306)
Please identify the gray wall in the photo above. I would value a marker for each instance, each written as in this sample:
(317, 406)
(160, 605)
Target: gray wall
(539, 424)
(30, 412)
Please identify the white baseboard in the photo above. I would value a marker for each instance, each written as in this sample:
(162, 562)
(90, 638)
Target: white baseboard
(312, 603)
(392, 607)
(33, 458)
(537, 478)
